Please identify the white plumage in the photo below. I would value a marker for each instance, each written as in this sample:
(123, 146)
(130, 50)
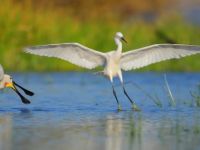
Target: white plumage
(88, 58)
(155, 53)
(1, 73)
(73, 52)
(114, 61)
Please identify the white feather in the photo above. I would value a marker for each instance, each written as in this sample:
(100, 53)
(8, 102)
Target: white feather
(72, 52)
(1, 73)
(155, 53)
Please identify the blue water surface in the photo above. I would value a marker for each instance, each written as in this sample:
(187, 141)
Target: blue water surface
(73, 110)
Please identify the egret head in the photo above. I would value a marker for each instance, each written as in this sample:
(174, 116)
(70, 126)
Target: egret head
(119, 37)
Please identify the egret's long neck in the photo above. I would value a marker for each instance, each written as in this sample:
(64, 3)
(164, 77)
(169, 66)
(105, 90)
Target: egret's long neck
(119, 45)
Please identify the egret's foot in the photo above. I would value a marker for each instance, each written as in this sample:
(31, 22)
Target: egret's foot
(119, 108)
(135, 107)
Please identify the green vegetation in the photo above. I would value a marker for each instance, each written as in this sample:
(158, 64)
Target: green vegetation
(21, 25)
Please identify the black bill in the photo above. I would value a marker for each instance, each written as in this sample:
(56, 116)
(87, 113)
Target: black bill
(23, 99)
(27, 92)
(123, 39)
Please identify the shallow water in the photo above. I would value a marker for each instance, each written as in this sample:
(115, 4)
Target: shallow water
(73, 111)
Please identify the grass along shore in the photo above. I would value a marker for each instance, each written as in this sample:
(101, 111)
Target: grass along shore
(23, 26)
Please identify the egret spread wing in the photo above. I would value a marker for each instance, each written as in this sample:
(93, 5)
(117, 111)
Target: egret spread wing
(155, 53)
(72, 52)
(1, 72)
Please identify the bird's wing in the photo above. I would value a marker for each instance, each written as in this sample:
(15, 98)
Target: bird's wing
(1, 72)
(155, 53)
(73, 52)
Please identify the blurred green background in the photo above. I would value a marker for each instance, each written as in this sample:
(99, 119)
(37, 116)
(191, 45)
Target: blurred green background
(94, 23)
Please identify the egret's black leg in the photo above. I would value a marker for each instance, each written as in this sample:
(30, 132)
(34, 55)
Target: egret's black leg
(132, 102)
(114, 93)
(134, 106)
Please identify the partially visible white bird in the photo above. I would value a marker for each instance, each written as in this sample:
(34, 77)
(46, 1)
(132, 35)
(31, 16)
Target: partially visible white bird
(114, 61)
(7, 82)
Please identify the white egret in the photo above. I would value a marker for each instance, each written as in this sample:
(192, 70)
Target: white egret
(115, 61)
(7, 82)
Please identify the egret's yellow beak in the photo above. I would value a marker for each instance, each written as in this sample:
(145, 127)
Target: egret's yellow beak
(10, 85)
